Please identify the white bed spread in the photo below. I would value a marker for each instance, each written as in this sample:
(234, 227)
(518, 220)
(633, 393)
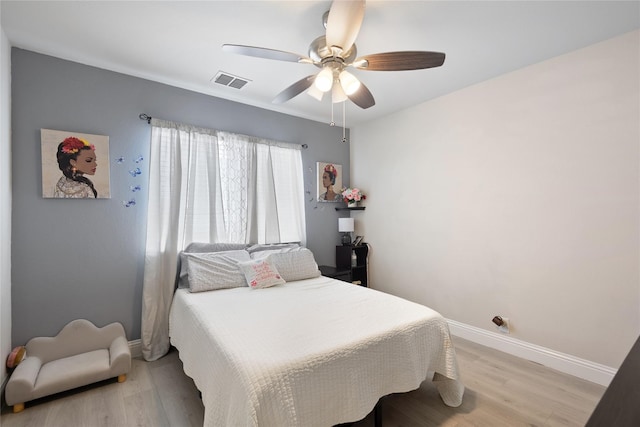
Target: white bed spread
(315, 352)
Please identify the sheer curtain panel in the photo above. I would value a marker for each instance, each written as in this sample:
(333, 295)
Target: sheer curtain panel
(212, 186)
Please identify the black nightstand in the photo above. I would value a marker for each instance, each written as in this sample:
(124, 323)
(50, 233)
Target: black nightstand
(334, 273)
(345, 271)
(358, 272)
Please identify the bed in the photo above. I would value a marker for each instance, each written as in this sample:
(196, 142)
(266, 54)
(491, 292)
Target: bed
(307, 352)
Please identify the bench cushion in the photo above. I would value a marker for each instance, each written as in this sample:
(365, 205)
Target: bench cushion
(71, 372)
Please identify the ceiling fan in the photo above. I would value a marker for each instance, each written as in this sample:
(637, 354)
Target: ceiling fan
(336, 51)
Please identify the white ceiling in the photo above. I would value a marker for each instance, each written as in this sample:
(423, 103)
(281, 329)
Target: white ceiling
(179, 42)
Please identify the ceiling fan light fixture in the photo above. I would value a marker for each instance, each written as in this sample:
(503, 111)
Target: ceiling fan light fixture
(350, 84)
(316, 93)
(324, 80)
(337, 94)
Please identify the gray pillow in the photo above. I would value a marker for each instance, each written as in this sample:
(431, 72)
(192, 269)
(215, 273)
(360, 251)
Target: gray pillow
(257, 251)
(295, 265)
(216, 270)
(198, 247)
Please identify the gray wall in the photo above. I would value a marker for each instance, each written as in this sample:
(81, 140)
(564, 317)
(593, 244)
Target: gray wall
(85, 258)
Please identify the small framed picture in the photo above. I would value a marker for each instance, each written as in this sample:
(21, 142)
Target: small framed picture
(358, 240)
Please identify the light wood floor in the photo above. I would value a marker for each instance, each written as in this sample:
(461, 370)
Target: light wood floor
(501, 390)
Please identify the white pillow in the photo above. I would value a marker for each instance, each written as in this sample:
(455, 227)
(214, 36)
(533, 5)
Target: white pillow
(295, 265)
(215, 270)
(261, 274)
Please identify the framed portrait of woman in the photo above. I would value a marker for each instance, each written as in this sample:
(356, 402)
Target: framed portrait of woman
(329, 182)
(74, 165)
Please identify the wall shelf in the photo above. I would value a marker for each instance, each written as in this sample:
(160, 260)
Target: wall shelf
(346, 208)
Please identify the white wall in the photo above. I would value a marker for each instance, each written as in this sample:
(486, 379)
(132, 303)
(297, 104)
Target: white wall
(518, 196)
(5, 201)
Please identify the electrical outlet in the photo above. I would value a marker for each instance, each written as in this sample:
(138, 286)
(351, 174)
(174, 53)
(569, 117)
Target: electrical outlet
(504, 328)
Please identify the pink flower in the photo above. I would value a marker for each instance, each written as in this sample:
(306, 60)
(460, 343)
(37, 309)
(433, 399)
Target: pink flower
(72, 145)
(352, 194)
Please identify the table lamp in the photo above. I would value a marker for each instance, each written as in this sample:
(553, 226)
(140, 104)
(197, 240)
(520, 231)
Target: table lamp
(346, 226)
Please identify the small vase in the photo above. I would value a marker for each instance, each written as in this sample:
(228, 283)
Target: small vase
(353, 204)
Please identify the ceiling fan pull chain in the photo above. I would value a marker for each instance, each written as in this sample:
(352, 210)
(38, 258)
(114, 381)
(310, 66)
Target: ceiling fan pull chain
(344, 122)
(333, 123)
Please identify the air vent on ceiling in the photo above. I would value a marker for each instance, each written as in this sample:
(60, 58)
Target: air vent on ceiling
(230, 80)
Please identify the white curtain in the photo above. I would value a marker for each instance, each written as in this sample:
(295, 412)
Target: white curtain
(212, 186)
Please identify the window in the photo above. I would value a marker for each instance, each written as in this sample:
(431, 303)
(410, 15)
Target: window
(214, 186)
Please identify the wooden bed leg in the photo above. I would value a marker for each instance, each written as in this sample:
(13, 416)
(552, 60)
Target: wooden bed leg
(122, 378)
(18, 407)
(377, 414)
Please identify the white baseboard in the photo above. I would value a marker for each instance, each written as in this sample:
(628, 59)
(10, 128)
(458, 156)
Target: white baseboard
(136, 349)
(581, 368)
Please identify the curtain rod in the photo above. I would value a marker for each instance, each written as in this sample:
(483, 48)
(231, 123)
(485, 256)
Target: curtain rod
(148, 118)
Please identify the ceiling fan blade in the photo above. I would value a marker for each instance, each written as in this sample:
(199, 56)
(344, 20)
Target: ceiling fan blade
(294, 90)
(399, 61)
(362, 97)
(343, 23)
(262, 52)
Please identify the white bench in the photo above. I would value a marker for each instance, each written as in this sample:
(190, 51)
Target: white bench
(79, 355)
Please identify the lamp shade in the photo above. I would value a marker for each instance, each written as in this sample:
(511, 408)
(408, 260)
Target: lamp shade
(337, 94)
(346, 225)
(315, 92)
(350, 84)
(324, 79)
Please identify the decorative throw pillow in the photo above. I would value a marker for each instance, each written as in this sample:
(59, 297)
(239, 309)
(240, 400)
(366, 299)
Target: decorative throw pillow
(261, 274)
(295, 265)
(16, 356)
(215, 270)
